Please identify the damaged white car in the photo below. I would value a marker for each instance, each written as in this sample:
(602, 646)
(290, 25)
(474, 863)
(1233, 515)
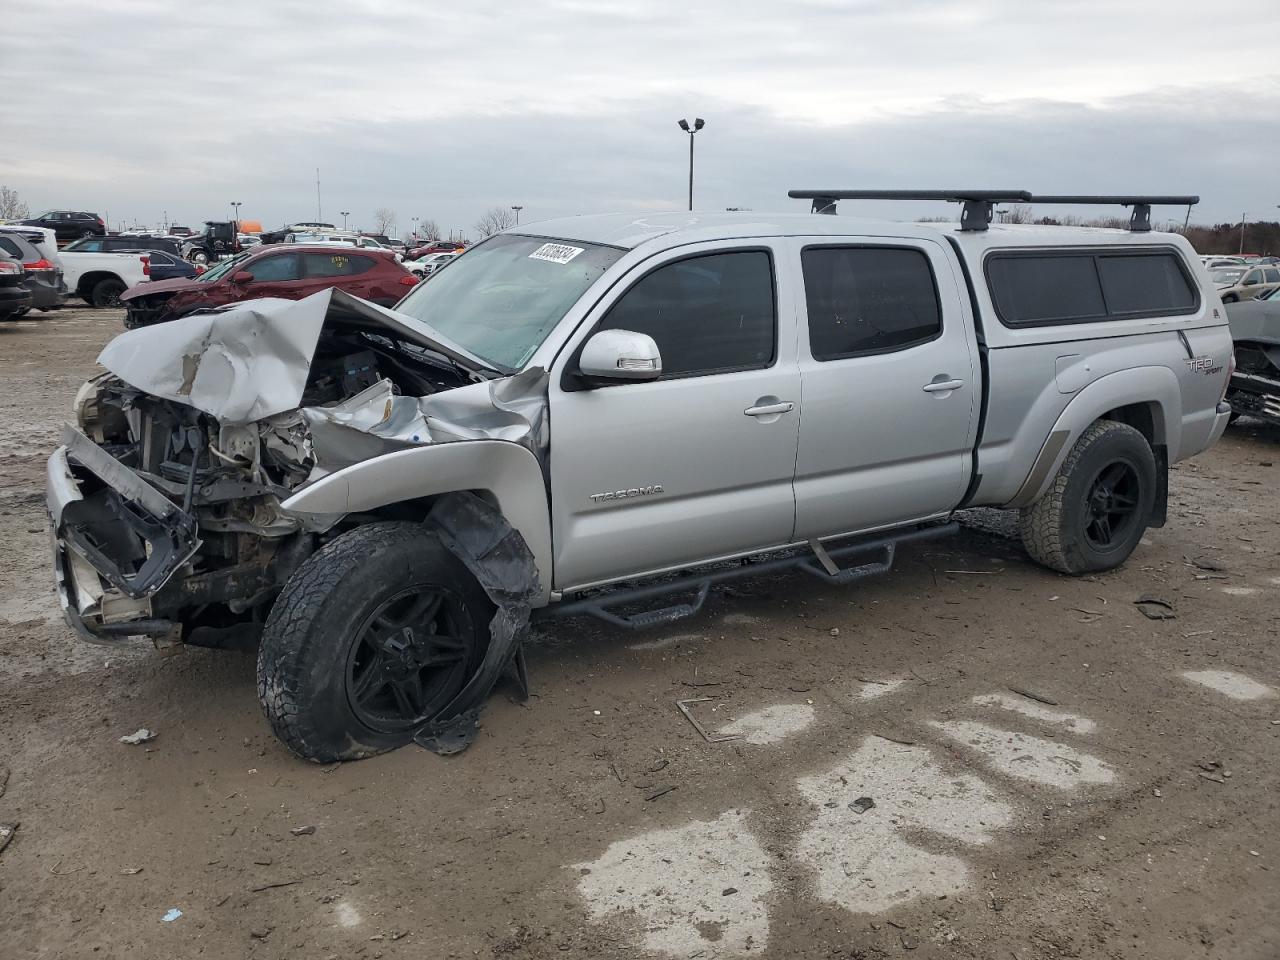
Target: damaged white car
(606, 415)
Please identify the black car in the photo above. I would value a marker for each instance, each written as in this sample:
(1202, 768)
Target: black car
(15, 298)
(123, 244)
(69, 224)
(168, 266)
(41, 278)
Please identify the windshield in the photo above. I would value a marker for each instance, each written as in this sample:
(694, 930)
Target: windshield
(1226, 274)
(501, 298)
(222, 269)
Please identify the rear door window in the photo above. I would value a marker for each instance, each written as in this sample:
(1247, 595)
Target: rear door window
(708, 314)
(275, 269)
(335, 264)
(1085, 286)
(864, 300)
(11, 248)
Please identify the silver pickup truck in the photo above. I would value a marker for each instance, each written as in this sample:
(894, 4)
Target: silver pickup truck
(607, 415)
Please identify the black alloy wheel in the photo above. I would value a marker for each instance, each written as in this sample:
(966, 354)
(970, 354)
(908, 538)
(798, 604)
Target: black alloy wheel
(1112, 508)
(409, 657)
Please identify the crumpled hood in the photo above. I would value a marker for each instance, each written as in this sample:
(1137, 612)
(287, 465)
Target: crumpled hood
(176, 285)
(250, 360)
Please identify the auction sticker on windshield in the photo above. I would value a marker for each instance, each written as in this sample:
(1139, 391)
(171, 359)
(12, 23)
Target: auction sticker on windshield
(556, 252)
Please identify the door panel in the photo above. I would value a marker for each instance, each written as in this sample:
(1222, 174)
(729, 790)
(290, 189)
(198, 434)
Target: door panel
(887, 435)
(649, 476)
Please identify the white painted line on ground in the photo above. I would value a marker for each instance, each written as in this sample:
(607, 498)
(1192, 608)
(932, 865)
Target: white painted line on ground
(348, 915)
(870, 691)
(1234, 685)
(662, 643)
(1029, 758)
(675, 881)
(773, 723)
(861, 861)
(1240, 591)
(1028, 708)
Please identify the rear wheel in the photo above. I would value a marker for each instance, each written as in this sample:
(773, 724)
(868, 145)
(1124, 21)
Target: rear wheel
(106, 293)
(1097, 509)
(1230, 298)
(371, 637)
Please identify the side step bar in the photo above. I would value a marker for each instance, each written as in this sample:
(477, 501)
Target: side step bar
(821, 563)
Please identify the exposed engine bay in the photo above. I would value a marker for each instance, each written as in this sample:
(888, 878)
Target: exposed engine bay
(170, 507)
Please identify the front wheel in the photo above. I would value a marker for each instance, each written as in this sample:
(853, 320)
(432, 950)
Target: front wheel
(1097, 509)
(371, 637)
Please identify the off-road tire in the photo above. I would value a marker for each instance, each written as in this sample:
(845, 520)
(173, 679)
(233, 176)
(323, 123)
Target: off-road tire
(106, 293)
(1052, 528)
(302, 660)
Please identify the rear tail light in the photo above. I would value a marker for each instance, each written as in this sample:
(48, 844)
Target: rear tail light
(9, 266)
(146, 266)
(408, 280)
(199, 269)
(1231, 372)
(41, 264)
(99, 221)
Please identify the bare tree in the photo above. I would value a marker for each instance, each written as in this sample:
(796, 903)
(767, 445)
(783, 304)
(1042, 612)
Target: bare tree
(1017, 214)
(384, 218)
(494, 219)
(428, 230)
(12, 206)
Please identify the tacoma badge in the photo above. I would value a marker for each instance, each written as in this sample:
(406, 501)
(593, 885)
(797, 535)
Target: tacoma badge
(625, 494)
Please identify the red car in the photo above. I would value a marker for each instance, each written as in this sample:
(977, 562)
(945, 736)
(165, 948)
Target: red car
(434, 246)
(290, 271)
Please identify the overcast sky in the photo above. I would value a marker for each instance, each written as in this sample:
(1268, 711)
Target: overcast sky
(443, 109)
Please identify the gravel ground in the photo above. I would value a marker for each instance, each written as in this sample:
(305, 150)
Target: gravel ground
(893, 790)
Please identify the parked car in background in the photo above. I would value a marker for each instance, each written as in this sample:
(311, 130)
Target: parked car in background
(215, 241)
(122, 243)
(426, 266)
(100, 278)
(170, 266)
(15, 298)
(1243, 282)
(42, 277)
(69, 224)
(288, 271)
(42, 238)
(1255, 381)
(433, 246)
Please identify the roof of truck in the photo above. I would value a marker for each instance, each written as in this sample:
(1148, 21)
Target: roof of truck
(629, 231)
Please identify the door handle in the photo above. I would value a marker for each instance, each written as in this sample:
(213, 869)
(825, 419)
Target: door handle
(770, 409)
(943, 386)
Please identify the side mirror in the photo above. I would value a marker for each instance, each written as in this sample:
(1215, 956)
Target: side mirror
(242, 276)
(621, 355)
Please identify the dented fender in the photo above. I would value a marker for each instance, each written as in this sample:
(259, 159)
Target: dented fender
(507, 473)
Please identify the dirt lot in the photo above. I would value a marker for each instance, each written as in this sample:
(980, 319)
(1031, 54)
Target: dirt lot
(1137, 817)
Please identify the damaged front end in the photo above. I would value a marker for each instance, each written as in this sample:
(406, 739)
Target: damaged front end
(165, 498)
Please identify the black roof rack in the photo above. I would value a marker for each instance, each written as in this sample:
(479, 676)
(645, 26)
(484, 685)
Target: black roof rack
(1139, 219)
(979, 205)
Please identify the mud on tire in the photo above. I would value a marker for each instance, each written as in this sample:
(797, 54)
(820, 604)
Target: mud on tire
(338, 622)
(1095, 512)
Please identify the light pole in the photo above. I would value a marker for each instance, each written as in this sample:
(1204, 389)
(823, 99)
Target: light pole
(235, 213)
(415, 226)
(517, 208)
(1243, 218)
(698, 124)
(345, 214)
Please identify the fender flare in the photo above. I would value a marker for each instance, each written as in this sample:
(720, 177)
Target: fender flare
(1155, 386)
(506, 473)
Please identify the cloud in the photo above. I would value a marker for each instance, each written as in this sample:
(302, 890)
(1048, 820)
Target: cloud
(442, 110)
